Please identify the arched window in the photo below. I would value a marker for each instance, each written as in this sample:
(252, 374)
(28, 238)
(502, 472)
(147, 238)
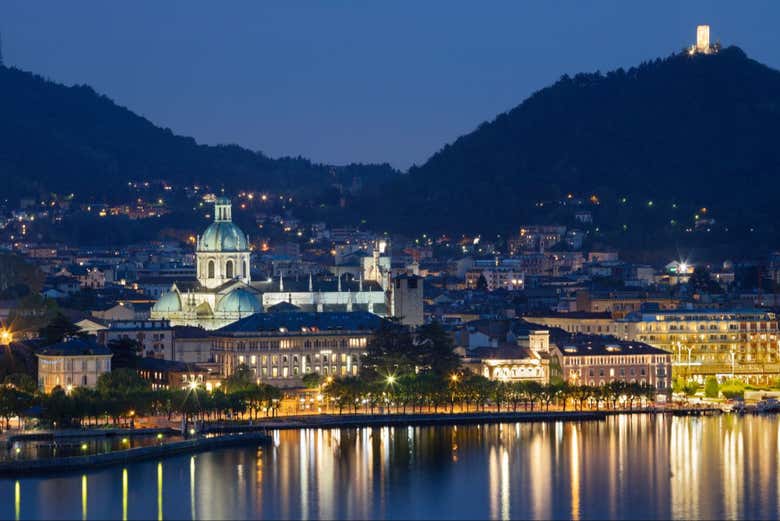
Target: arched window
(211, 269)
(229, 269)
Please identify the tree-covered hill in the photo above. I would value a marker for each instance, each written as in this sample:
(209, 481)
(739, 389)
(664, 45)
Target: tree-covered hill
(62, 139)
(675, 134)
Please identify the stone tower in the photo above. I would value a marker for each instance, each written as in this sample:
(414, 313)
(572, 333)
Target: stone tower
(406, 299)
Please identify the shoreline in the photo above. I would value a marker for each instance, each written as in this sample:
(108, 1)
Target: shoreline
(10, 469)
(232, 434)
(345, 421)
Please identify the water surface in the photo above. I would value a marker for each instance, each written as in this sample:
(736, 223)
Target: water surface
(626, 467)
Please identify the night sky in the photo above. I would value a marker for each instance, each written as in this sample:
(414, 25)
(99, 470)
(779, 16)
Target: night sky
(351, 81)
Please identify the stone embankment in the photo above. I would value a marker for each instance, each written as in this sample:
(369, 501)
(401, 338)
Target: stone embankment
(120, 457)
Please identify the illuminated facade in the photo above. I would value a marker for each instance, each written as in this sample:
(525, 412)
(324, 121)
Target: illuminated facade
(72, 363)
(742, 344)
(703, 45)
(224, 292)
(731, 343)
(283, 347)
(595, 361)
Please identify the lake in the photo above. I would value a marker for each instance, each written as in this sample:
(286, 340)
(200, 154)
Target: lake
(629, 466)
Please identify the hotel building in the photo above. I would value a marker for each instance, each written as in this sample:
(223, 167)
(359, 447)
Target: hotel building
(597, 360)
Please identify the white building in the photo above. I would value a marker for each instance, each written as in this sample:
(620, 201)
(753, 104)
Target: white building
(224, 292)
(72, 363)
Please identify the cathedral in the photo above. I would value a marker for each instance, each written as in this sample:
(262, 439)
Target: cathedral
(224, 292)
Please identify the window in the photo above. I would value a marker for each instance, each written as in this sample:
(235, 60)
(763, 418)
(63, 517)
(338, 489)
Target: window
(84, 380)
(229, 269)
(211, 269)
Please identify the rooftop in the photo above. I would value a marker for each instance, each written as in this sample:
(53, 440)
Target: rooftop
(698, 314)
(303, 322)
(75, 347)
(597, 345)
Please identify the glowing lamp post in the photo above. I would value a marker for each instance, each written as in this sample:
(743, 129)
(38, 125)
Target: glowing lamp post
(6, 336)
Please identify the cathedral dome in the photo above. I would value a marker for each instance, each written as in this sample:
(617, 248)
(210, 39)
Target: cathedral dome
(223, 236)
(168, 302)
(240, 301)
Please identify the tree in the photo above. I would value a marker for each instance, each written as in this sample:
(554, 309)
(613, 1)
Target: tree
(700, 282)
(482, 284)
(18, 277)
(435, 350)
(123, 391)
(58, 329)
(690, 388)
(242, 379)
(21, 381)
(32, 313)
(733, 389)
(312, 380)
(13, 402)
(711, 387)
(479, 389)
(126, 352)
(581, 394)
(391, 351)
(534, 391)
(58, 409)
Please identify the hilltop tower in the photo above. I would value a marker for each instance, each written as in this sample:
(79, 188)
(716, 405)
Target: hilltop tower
(703, 45)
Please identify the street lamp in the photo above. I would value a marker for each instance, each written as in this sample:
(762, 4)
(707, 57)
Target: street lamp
(690, 348)
(390, 379)
(6, 336)
(733, 354)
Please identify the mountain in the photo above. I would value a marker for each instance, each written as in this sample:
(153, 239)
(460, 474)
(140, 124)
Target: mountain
(664, 138)
(62, 139)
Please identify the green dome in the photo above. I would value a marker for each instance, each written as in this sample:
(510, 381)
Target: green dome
(223, 236)
(168, 302)
(240, 301)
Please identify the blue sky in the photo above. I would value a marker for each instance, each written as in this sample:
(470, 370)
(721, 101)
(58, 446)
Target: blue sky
(342, 81)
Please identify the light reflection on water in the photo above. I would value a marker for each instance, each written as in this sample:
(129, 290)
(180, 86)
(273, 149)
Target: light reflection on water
(626, 467)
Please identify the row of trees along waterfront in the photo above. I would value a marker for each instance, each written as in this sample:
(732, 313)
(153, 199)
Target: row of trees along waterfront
(402, 371)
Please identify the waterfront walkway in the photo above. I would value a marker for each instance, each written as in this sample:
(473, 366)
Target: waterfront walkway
(332, 421)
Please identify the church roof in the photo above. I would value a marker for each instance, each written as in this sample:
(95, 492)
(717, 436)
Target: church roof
(223, 236)
(301, 285)
(283, 307)
(240, 301)
(168, 302)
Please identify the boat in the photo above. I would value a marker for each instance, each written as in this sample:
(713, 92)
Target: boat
(768, 405)
(735, 406)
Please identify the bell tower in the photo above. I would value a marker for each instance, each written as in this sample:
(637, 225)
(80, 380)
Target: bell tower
(223, 210)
